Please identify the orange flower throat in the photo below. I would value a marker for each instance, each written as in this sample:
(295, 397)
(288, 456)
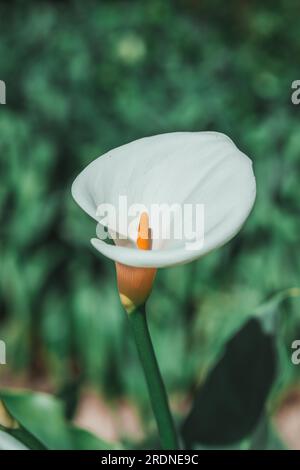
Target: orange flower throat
(135, 284)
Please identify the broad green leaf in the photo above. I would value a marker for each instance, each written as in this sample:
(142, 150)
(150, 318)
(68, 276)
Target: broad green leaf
(231, 401)
(41, 415)
(43, 425)
(230, 407)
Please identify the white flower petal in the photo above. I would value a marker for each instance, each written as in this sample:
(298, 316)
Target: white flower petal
(185, 167)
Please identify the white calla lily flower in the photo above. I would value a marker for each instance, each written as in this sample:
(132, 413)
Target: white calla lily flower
(177, 168)
(181, 170)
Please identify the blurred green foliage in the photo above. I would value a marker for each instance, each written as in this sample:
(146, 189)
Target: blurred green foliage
(83, 77)
(28, 410)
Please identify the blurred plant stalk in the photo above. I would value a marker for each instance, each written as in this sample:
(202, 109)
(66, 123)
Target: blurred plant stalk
(156, 388)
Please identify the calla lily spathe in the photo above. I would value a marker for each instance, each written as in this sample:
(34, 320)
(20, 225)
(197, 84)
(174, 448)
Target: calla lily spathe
(180, 167)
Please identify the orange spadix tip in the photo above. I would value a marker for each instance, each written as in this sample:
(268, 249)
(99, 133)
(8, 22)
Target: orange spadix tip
(135, 284)
(144, 233)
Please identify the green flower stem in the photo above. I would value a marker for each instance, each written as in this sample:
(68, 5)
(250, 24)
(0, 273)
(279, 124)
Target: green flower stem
(156, 388)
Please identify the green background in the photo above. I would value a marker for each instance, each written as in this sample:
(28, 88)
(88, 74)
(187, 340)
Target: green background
(84, 77)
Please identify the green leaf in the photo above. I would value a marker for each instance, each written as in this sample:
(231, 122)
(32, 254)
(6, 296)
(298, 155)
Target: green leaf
(230, 407)
(43, 425)
(41, 415)
(232, 399)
